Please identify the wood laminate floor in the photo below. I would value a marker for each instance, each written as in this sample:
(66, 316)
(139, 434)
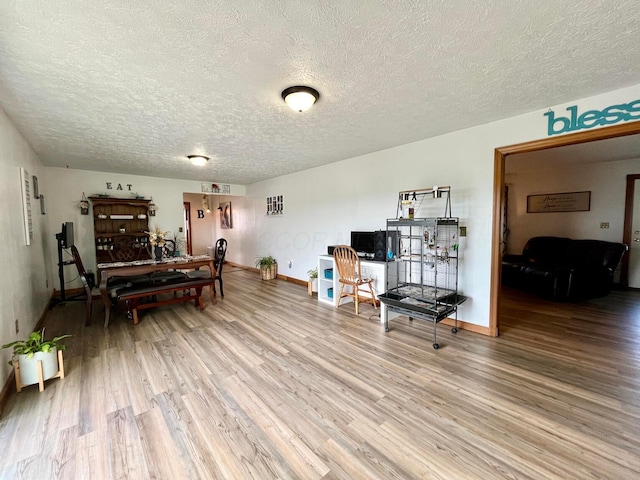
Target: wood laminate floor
(269, 383)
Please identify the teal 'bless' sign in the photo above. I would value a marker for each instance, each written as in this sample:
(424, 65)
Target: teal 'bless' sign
(623, 112)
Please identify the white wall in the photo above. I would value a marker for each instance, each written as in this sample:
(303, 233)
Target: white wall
(24, 293)
(324, 204)
(67, 186)
(240, 239)
(607, 183)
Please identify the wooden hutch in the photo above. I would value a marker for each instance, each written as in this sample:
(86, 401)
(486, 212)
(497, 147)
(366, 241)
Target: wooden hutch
(119, 226)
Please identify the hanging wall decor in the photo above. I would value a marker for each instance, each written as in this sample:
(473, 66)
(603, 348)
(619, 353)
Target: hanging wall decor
(225, 215)
(84, 205)
(26, 205)
(275, 205)
(215, 188)
(36, 190)
(559, 202)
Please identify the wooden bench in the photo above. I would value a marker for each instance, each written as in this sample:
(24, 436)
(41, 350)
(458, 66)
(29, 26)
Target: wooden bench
(132, 295)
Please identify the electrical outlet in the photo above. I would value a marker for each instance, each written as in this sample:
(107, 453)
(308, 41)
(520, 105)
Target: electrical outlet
(180, 229)
(604, 225)
(290, 263)
(463, 231)
(17, 326)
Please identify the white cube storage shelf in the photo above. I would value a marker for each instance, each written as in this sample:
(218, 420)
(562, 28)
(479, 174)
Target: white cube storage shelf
(368, 268)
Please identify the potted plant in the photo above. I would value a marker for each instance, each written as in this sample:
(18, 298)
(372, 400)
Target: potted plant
(268, 267)
(313, 281)
(36, 359)
(179, 243)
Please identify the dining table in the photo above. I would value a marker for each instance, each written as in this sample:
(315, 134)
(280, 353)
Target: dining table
(135, 268)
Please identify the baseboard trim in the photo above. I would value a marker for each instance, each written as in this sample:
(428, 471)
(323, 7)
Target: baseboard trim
(68, 293)
(297, 281)
(280, 276)
(471, 327)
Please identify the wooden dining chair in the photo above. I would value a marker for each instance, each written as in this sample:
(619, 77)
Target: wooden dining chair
(125, 251)
(88, 283)
(219, 252)
(349, 275)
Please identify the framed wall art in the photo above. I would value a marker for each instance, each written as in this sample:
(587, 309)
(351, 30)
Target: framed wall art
(559, 202)
(275, 205)
(226, 220)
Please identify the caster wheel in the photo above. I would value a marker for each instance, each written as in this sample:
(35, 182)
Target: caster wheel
(411, 319)
(454, 330)
(436, 346)
(386, 330)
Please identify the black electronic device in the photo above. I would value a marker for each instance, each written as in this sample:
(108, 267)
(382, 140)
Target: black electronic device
(386, 245)
(65, 240)
(66, 235)
(330, 249)
(363, 242)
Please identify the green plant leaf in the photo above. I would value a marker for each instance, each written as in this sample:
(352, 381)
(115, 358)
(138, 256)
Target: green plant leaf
(35, 337)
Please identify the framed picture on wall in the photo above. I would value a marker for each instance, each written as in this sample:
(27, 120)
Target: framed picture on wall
(226, 220)
(559, 202)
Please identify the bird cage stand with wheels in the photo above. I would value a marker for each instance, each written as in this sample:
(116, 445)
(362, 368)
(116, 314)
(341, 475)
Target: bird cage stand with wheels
(425, 280)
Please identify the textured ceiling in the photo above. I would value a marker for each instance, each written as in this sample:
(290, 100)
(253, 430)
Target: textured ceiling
(134, 87)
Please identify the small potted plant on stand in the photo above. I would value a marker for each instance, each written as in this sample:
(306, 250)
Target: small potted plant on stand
(36, 359)
(268, 267)
(312, 285)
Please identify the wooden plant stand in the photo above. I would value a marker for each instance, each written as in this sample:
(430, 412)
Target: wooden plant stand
(16, 371)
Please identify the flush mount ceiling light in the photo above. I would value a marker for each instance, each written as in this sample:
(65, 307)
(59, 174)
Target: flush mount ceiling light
(198, 160)
(300, 98)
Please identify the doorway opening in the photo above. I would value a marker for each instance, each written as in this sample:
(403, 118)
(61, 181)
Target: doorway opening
(500, 156)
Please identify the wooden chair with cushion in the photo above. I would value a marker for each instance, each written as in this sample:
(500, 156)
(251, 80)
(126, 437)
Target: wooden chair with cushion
(88, 283)
(219, 252)
(126, 251)
(348, 266)
(91, 289)
(164, 276)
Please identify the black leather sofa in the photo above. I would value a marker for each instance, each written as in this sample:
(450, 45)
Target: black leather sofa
(563, 269)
